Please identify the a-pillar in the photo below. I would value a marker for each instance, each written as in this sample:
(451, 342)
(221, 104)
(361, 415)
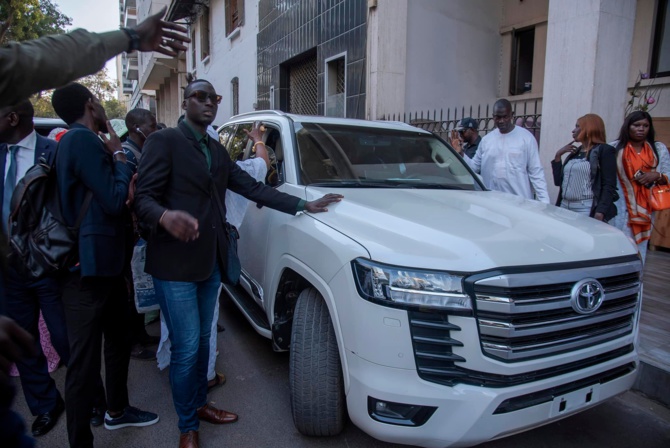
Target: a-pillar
(586, 69)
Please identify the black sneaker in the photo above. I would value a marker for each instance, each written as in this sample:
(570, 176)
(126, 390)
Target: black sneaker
(97, 416)
(131, 417)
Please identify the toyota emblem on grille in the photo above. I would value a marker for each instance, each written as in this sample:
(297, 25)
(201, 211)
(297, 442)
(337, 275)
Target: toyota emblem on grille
(587, 296)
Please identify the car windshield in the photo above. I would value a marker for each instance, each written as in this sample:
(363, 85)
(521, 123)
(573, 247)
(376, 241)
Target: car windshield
(358, 156)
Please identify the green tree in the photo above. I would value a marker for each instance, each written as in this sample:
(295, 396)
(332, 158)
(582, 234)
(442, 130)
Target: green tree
(115, 108)
(99, 84)
(30, 19)
(42, 105)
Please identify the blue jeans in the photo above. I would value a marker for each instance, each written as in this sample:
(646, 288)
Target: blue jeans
(581, 207)
(188, 308)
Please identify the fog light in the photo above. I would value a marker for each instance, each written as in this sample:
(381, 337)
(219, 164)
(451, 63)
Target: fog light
(399, 413)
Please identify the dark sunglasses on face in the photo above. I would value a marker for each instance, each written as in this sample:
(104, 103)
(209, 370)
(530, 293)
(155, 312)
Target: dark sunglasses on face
(202, 96)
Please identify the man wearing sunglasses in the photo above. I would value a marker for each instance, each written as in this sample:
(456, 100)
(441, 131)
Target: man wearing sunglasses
(466, 132)
(183, 176)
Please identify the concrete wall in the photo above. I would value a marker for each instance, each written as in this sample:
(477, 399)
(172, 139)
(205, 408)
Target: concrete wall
(453, 51)
(230, 56)
(520, 14)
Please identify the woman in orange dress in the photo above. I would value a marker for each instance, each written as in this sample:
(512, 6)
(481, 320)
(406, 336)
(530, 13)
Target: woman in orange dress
(641, 163)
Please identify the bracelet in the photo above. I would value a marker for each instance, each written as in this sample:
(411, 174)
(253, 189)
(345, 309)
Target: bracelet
(119, 152)
(254, 146)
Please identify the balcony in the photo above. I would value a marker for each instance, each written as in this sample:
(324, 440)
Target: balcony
(130, 17)
(127, 88)
(130, 67)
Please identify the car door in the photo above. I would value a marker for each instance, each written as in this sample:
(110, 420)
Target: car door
(254, 228)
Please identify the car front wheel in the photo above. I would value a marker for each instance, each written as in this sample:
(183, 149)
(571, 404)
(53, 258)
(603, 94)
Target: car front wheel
(315, 370)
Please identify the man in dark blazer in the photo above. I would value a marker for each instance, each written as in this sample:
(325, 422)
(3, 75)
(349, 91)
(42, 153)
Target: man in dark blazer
(20, 148)
(94, 292)
(183, 176)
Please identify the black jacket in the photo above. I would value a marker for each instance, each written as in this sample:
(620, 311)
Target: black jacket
(173, 175)
(602, 159)
(83, 164)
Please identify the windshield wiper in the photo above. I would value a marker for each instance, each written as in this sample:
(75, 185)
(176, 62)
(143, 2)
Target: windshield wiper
(354, 184)
(435, 186)
(388, 183)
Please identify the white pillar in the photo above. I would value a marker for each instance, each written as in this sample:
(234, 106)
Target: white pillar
(586, 69)
(386, 58)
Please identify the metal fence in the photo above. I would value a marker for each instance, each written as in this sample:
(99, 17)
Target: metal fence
(526, 113)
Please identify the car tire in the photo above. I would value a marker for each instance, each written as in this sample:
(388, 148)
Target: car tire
(315, 370)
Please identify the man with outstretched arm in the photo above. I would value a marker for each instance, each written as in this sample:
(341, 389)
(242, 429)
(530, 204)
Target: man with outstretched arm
(183, 176)
(53, 61)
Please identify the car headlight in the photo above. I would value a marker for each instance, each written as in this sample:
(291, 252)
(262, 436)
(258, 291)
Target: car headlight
(399, 286)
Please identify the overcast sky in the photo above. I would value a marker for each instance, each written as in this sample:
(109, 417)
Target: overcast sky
(93, 15)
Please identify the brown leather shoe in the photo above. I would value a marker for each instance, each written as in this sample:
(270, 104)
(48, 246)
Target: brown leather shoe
(189, 440)
(217, 416)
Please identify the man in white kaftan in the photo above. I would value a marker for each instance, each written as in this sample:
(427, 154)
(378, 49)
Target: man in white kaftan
(508, 158)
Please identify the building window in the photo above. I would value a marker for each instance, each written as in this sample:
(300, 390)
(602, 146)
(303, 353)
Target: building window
(235, 94)
(192, 48)
(660, 57)
(336, 86)
(521, 71)
(234, 15)
(204, 34)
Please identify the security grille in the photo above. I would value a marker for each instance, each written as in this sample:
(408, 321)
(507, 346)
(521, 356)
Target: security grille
(235, 86)
(340, 76)
(303, 87)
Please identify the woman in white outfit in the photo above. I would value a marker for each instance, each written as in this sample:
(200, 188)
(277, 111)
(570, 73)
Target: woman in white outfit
(641, 163)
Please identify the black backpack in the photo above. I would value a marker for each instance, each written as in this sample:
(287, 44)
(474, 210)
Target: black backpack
(40, 242)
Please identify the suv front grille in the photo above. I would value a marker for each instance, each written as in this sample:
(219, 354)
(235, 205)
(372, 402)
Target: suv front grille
(523, 316)
(529, 315)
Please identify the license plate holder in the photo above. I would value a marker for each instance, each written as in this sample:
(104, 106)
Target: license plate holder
(572, 401)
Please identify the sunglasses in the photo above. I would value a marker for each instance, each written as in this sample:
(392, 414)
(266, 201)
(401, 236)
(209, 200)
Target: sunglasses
(202, 96)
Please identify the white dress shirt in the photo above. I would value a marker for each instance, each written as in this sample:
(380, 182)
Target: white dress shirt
(511, 163)
(25, 156)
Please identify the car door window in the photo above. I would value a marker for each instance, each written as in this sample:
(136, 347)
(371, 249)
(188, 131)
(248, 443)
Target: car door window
(275, 175)
(239, 141)
(226, 134)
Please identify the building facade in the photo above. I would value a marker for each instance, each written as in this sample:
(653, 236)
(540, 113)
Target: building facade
(374, 58)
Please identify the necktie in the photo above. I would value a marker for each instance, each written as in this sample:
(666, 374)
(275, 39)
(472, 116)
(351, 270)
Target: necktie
(10, 183)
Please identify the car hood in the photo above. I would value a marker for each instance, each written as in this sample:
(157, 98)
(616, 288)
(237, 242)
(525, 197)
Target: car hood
(467, 230)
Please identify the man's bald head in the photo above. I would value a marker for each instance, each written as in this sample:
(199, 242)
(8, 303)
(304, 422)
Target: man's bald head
(502, 116)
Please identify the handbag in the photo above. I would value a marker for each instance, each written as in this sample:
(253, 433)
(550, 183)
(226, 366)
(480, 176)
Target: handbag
(660, 197)
(233, 268)
(233, 265)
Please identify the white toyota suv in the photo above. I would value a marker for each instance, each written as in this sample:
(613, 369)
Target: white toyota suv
(434, 312)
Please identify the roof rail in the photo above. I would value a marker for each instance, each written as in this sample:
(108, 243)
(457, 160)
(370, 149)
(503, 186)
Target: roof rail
(256, 112)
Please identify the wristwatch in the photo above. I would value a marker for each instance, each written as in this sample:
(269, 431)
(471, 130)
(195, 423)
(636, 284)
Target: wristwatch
(134, 39)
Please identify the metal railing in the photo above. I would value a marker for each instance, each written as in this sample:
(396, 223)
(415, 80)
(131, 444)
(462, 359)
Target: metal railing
(526, 113)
